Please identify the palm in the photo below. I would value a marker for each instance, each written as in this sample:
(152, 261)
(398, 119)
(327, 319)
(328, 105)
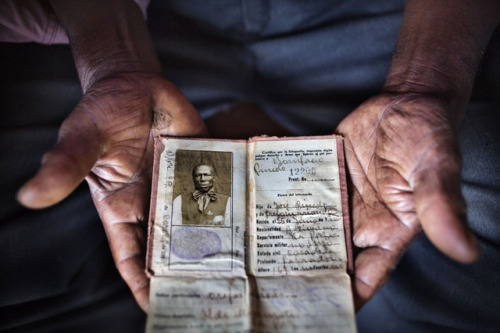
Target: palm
(108, 141)
(404, 170)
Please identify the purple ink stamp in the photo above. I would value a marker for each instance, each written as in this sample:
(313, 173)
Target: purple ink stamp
(195, 243)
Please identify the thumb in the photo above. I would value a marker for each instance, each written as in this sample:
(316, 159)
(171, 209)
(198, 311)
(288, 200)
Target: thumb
(64, 167)
(441, 210)
(173, 113)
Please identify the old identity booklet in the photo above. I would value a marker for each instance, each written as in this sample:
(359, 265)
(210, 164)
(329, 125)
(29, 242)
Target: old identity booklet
(250, 236)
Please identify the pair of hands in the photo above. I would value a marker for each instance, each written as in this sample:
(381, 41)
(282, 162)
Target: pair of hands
(402, 159)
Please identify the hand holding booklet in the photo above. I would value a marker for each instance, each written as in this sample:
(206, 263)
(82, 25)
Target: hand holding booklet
(250, 236)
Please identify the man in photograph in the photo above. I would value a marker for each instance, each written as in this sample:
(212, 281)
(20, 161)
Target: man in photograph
(203, 206)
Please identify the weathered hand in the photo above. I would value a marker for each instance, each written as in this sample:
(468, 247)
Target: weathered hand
(107, 140)
(404, 168)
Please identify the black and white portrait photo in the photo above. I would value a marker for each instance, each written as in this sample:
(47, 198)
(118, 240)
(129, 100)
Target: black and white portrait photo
(202, 188)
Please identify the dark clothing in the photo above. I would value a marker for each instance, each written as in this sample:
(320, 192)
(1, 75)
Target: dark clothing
(308, 64)
(214, 214)
(56, 269)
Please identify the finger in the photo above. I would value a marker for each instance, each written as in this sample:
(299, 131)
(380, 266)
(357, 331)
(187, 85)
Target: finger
(382, 239)
(173, 113)
(123, 213)
(64, 167)
(127, 242)
(441, 210)
(373, 266)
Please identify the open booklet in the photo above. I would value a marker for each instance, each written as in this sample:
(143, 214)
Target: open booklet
(250, 236)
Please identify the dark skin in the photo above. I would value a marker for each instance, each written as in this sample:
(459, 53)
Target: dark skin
(107, 139)
(401, 147)
(203, 178)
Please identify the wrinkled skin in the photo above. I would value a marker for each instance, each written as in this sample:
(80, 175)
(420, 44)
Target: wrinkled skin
(108, 140)
(404, 168)
(402, 159)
